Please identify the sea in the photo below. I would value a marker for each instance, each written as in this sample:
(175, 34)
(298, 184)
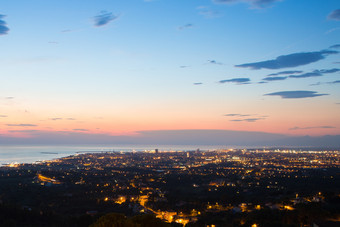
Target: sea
(32, 154)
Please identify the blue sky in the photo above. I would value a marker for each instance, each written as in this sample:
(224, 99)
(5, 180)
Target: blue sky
(117, 68)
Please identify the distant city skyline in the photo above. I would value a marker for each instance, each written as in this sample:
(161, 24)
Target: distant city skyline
(179, 72)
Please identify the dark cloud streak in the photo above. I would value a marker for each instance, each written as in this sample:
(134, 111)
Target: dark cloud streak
(248, 120)
(315, 73)
(3, 26)
(285, 73)
(334, 15)
(214, 62)
(104, 18)
(314, 127)
(291, 60)
(335, 46)
(186, 26)
(22, 125)
(236, 80)
(275, 78)
(295, 94)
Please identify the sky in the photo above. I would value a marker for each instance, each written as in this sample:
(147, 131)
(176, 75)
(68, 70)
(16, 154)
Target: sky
(111, 71)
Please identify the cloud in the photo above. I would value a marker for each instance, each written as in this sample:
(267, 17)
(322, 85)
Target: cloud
(321, 83)
(242, 117)
(315, 73)
(186, 26)
(237, 115)
(334, 70)
(305, 128)
(184, 66)
(335, 46)
(306, 75)
(3, 116)
(291, 60)
(198, 83)
(334, 15)
(104, 18)
(69, 30)
(248, 119)
(80, 129)
(214, 62)
(22, 125)
(285, 73)
(332, 30)
(275, 78)
(24, 131)
(207, 12)
(236, 80)
(316, 84)
(254, 3)
(60, 118)
(3, 26)
(295, 94)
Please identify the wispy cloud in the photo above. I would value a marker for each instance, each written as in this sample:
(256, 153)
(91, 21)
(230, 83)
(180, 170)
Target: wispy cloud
(245, 117)
(296, 94)
(104, 18)
(236, 80)
(60, 118)
(275, 78)
(80, 130)
(321, 83)
(198, 83)
(214, 62)
(334, 15)
(306, 75)
(186, 26)
(22, 125)
(334, 70)
(237, 115)
(24, 131)
(247, 120)
(207, 12)
(291, 60)
(56, 118)
(3, 26)
(313, 127)
(315, 73)
(285, 73)
(259, 4)
(335, 46)
(3, 116)
(69, 30)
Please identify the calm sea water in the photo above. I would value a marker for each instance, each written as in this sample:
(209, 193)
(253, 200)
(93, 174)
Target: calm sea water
(31, 154)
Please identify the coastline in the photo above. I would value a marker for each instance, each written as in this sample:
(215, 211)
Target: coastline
(31, 154)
